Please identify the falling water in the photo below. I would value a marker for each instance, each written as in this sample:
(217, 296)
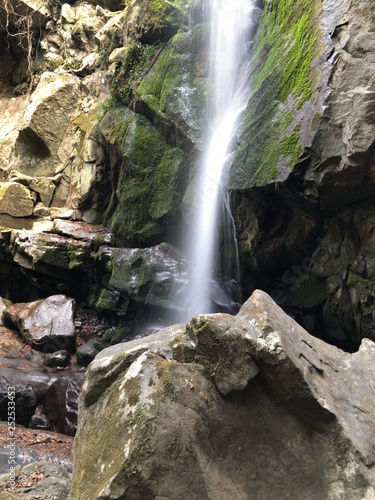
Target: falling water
(230, 35)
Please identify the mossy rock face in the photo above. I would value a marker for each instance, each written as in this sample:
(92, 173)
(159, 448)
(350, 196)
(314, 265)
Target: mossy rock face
(175, 88)
(147, 175)
(283, 109)
(155, 276)
(156, 20)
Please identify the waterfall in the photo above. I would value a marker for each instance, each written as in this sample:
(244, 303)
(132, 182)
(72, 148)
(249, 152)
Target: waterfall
(231, 28)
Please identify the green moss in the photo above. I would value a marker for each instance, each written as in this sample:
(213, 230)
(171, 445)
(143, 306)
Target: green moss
(147, 187)
(174, 441)
(167, 75)
(107, 300)
(200, 35)
(167, 14)
(132, 391)
(169, 382)
(130, 70)
(290, 146)
(281, 83)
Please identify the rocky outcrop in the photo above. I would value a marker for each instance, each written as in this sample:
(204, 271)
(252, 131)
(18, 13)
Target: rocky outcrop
(38, 387)
(227, 407)
(306, 239)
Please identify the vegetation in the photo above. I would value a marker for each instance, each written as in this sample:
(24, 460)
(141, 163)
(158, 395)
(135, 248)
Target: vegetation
(281, 83)
(146, 181)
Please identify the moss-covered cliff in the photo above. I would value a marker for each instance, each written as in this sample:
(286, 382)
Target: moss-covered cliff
(283, 109)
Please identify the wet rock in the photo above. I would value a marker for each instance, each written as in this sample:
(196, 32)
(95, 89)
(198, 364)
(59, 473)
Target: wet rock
(279, 382)
(61, 405)
(39, 421)
(156, 276)
(35, 445)
(48, 323)
(23, 378)
(87, 352)
(23, 397)
(58, 359)
(55, 255)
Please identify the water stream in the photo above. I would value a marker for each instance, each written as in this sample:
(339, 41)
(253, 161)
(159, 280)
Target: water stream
(231, 28)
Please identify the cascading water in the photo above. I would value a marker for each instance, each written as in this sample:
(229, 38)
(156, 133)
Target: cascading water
(230, 37)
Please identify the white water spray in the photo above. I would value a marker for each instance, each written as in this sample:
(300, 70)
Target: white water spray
(230, 33)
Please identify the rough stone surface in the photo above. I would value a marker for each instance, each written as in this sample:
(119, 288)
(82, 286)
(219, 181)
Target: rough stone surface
(308, 240)
(39, 480)
(16, 200)
(87, 352)
(295, 426)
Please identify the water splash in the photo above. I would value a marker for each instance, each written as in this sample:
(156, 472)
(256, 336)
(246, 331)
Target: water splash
(230, 38)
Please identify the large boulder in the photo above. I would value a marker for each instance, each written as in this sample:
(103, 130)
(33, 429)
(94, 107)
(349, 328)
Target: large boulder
(48, 324)
(227, 407)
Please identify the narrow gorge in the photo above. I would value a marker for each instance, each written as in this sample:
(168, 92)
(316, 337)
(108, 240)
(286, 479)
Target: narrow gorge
(266, 389)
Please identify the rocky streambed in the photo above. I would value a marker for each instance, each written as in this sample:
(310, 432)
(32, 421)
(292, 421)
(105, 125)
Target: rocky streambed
(45, 346)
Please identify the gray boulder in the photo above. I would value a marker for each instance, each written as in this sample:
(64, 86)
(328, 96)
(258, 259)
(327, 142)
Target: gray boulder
(48, 323)
(227, 407)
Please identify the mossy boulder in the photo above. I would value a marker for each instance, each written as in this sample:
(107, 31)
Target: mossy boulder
(147, 174)
(153, 423)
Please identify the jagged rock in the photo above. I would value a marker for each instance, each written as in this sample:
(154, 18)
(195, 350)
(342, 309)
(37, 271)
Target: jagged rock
(43, 186)
(16, 200)
(21, 394)
(51, 255)
(61, 405)
(48, 323)
(20, 369)
(295, 426)
(46, 124)
(155, 276)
